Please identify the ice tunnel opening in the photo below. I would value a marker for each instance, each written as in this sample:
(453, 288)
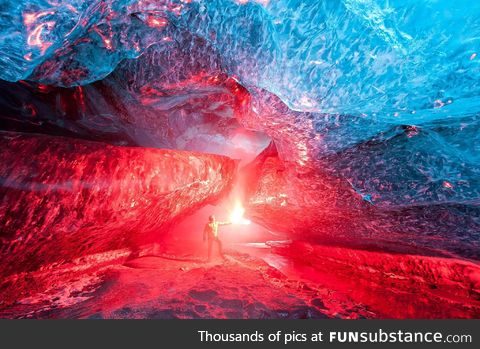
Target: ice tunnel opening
(172, 159)
(307, 224)
(124, 126)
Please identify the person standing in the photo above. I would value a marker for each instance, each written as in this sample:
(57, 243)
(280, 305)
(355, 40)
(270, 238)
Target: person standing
(210, 233)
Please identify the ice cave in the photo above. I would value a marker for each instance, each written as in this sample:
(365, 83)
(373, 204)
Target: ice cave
(340, 138)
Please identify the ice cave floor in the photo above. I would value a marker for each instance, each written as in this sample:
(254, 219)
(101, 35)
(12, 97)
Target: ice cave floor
(253, 281)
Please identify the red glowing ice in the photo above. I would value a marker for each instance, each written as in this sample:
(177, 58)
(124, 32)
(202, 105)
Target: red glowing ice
(64, 198)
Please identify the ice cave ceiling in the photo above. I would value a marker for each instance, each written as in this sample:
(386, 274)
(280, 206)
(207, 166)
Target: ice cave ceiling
(357, 120)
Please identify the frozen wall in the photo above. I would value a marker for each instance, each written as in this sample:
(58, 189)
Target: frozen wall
(62, 198)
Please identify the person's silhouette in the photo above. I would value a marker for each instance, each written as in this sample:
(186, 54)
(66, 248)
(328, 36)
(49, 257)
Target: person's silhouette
(210, 232)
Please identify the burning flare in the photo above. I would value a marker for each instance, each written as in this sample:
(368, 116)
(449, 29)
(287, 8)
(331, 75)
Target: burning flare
(236, 216)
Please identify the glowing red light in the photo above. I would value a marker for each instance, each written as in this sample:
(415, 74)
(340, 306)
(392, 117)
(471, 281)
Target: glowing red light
(35, 37)
(236, 216)
(156, 22)
(29, 19)
(447, 185)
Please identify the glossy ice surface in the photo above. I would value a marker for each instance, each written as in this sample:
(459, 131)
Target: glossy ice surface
(354, 123)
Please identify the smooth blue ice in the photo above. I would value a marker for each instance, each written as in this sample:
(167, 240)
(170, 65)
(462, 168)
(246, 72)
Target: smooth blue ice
(391, 87)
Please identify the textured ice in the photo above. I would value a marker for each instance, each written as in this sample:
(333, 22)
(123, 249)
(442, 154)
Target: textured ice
(358, 121)
(383, 93)
(350, 72)
(62, 198)
(348, 56)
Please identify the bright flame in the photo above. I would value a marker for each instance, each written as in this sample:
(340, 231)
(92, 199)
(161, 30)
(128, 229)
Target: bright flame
(236, 216)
